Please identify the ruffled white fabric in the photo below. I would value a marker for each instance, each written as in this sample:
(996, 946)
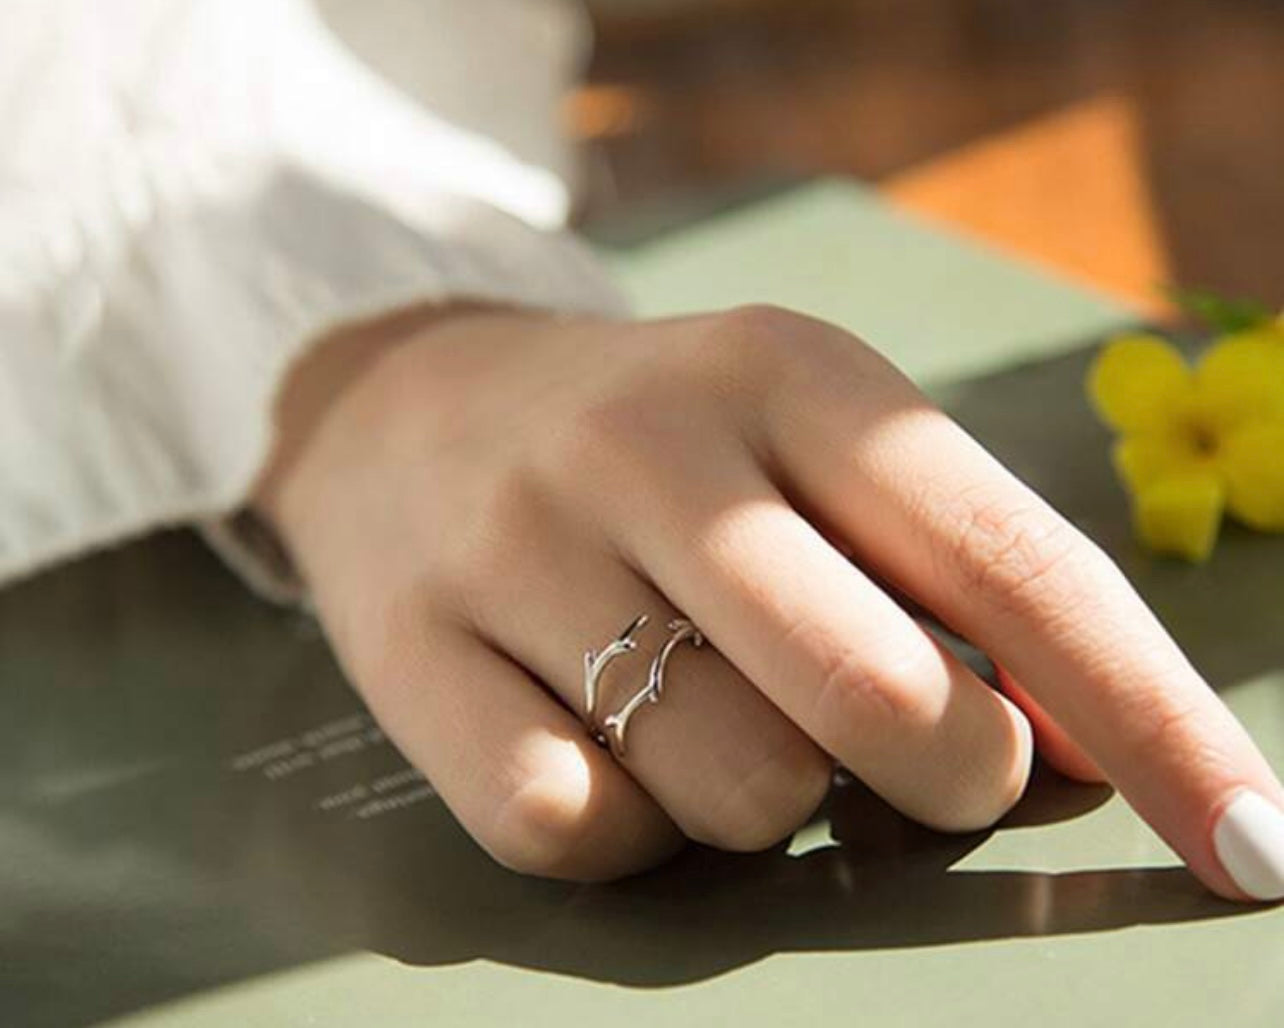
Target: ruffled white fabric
(192, 192)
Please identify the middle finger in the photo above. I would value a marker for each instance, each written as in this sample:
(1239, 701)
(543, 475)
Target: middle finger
(832, 650)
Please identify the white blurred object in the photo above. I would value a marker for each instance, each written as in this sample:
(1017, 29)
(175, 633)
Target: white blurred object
(193, 191)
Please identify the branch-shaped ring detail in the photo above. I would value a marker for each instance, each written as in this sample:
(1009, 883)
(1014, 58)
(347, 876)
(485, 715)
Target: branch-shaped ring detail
(596, 663)
(614, 727)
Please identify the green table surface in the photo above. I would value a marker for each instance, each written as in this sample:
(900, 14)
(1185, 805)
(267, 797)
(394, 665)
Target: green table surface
(200, 825)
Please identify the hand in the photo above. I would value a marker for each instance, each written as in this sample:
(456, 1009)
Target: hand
(476, 498)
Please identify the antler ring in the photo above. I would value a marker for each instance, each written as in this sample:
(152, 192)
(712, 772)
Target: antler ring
(612, 730)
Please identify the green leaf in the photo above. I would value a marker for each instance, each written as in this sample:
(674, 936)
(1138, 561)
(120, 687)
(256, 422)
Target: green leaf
(1220, 313)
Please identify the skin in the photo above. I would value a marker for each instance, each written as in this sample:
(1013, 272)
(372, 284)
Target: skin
(476, 497)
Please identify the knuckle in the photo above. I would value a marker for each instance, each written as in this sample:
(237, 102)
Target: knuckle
(1165, 725)
(1173, 724)
(767, 805)
(1018, 558)
(883, 681)
(755, 324)
(771, 361)
(752, 340)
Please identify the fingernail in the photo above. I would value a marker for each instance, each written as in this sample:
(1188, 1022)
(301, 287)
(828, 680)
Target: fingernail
(1249, 840)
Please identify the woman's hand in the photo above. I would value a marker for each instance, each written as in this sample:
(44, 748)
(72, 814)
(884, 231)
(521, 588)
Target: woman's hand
(476, 499)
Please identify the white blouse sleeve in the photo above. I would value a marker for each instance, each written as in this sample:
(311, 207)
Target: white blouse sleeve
(193, 191)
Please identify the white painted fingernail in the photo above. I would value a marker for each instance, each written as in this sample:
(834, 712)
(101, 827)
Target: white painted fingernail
(1249, 840)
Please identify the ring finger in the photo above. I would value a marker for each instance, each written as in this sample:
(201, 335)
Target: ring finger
(725, 764)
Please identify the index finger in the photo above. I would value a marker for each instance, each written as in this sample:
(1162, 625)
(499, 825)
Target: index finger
(925, 506)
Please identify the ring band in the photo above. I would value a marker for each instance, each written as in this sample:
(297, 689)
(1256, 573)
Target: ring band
(611, 732)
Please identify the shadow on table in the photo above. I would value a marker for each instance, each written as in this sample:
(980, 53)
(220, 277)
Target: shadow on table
(138, 862)
(885, 884)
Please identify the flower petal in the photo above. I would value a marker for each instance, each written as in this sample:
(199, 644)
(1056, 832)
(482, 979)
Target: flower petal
(1241, 379)
(1251, 461)
(1141, 460)
(1180, 515)
(1139, 383)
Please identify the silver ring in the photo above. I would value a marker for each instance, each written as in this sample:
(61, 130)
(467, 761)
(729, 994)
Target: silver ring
(611, 731)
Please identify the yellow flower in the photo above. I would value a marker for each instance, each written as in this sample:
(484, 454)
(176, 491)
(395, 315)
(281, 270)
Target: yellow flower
(1194, 442)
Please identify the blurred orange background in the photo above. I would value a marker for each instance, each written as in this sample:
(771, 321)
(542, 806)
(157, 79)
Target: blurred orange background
(1127, 144)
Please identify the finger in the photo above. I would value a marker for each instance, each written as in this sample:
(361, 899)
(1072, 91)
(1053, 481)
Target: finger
(831, 650)
(719, 758)
(1057, 748)
(932, 511)
(513, 766)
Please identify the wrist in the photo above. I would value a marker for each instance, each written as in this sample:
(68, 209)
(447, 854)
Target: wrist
(312, 393)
